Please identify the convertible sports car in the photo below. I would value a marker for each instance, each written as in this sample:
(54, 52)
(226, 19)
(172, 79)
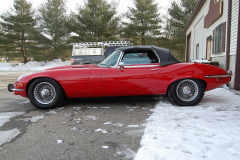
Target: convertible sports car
(128, 71)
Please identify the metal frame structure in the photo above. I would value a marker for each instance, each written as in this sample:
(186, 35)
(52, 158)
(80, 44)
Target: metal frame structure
(99, 44)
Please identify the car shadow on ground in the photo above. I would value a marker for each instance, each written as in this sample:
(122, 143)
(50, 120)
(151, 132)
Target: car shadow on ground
(115, 101)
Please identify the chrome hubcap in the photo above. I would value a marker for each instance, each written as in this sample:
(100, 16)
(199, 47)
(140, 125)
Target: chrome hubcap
(44, 93)
(187, 90)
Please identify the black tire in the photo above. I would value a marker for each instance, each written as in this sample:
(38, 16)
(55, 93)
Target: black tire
(45, 93)
(186, 92)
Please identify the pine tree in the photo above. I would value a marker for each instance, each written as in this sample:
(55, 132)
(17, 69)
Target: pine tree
(145, 22)
(52, 33)
(179, 14)
(96, 21)
(14, 38)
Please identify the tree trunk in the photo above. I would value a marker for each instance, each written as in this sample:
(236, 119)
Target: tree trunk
(143, 39)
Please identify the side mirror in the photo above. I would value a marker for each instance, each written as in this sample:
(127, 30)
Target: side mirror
(120, 66)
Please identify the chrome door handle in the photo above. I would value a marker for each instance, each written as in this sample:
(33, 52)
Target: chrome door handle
(154, 69)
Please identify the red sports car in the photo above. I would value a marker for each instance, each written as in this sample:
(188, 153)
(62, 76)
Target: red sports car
(128, 71)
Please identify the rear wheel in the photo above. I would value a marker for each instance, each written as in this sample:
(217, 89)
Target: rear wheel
(45, 93)
(186, 92)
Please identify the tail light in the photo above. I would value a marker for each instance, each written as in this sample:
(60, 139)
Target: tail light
(72, 61)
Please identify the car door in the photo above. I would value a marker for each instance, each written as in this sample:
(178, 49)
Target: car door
(140, 75)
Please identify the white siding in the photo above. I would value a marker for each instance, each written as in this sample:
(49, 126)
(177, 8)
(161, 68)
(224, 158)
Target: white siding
(198, 38)
(221, 60)
(234, 27)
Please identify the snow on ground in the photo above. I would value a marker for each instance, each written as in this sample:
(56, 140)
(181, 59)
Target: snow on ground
(32, 65)
(7, 136)
(34, 119)
(101, 130)
(209, 130)
(37, 118)
(6, 116)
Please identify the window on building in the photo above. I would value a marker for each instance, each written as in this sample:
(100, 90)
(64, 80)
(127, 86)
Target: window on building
(219, 38)
(197, 51)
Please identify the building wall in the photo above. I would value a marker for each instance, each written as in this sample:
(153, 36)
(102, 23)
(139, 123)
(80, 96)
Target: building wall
(220, 57)
(222, 64)
(206, 31)
(232, 68)
(198, 38)
(234, 27)
(221, 60)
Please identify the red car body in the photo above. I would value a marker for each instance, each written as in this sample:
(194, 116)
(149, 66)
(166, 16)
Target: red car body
(84, 81)
(92, 81)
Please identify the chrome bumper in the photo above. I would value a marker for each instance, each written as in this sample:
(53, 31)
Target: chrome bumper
(220, 76)
(11, 88)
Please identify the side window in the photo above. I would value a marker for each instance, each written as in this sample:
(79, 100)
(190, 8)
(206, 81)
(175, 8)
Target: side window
(139, 57)
(219, 38)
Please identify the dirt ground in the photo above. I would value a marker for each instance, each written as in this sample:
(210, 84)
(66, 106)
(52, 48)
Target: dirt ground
(7, 77)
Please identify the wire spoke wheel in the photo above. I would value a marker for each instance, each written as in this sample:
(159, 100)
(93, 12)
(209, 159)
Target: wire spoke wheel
(187, 90)
(44, 93)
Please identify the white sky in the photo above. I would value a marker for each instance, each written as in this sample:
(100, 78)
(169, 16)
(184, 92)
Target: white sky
(72, 4)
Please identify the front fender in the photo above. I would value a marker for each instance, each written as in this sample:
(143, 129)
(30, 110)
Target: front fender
(71, 79)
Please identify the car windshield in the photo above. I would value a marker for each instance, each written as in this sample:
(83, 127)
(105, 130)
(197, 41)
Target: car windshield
(111, 60)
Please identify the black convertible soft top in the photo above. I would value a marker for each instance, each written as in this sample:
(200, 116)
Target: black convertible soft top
(165, 56)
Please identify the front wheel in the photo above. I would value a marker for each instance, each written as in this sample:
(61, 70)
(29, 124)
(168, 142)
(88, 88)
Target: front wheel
(45, 93)
(186, 92)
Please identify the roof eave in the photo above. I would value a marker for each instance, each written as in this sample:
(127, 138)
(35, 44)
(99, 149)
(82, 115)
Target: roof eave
(194, 14)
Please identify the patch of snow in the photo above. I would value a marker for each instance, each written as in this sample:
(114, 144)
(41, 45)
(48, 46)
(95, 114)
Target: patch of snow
(33, 65)
(209, 130)
(7, 136)
(105, 147)
(77, 120)
(74, 128)
(105, 107)
(64, 123)
(6, 116)
(201, 61)
(117, 124)
(133, 126)
(24, 119)
(91, 118)
(51, 112)
(59, 141)
(25, 102)
(125, 152)
(132, 107)
(37, 118)
(108, 123)
(101, 130)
